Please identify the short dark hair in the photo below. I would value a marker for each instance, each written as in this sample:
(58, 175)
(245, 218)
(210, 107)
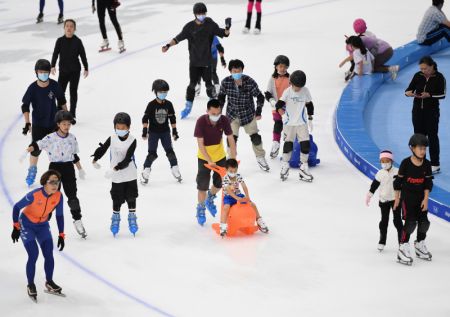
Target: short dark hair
(46, 176)
(438, 2)
(235, 63)
(231, 163)
(70, 20)
(213, 103)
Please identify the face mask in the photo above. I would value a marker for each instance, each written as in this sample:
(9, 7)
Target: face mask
(122, 133)
(214, 118)
(232, 175)
(43, 76)
(162, 95)
(386, 166)
(236, 76)
(201, 18)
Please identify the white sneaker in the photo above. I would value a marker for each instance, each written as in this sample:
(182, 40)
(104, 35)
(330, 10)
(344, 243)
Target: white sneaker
(176, 173)
(284, 171)
(263, 164)
(198, 89)
(304, 173)
(145, 175)
(80, 228)
(422, 250)
(380, 247)
(246, 30)
(262, 225)
(404, 254)
(104, 45)
(121, 46)
(275, 149)
(435, 169)
(394, 71)
(257, 31)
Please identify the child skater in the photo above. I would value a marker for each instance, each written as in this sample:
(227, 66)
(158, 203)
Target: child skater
(62, 149)
(414, 184)
(297, 109)
(278, 82)
(156, 128)
(233, 194)
(258, 8)
(351, 72)
(384, 179)
(32, 225)
(362, 57)
(123, 171)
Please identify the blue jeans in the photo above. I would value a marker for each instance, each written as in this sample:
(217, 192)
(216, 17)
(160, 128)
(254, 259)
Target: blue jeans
(228, 200)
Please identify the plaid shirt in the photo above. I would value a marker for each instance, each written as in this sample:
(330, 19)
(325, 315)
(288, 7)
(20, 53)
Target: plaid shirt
(430, 22)
(240, 98)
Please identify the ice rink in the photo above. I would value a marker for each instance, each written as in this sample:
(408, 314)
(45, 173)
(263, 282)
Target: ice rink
(320, 257)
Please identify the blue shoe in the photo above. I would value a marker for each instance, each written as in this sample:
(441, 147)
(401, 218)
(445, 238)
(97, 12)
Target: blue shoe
(132, 224)
(201, 218)
(32, 171)
(187, 110)
(209, 203)
(115, 224)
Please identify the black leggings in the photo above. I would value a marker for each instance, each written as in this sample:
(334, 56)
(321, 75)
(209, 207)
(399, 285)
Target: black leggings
(414, 216)
(384, 222)
(73, 78)
(195, 74)
(102, 6)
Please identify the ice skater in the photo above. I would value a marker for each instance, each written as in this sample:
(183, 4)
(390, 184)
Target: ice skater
(111, 7)
(248, 22)
(40, 17)
(362, 57)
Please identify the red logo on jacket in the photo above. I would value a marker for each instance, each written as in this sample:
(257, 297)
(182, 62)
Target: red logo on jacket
(415, 180)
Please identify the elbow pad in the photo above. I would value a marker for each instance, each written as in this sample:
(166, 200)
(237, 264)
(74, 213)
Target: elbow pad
(398, 181)
(25, 108)
(310, 108)
(76, 158)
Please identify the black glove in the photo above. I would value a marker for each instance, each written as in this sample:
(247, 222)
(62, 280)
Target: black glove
(93, 9)
(258, 111)
(222, 60)
(61, 243)
(175, 134)
(15, 234)
(227, 23)
(268, 95)
(144, 132)
(26, 128)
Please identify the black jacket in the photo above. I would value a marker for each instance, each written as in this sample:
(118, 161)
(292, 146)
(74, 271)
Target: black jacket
(68, 50)
(435, 86)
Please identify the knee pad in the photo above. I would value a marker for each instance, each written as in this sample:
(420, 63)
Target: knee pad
(305, 147)
(74, 204)
(409, 227)
(423, 226)
(152, 156)
(171, 155)
(131, 204)
(278, 126)
(117, 205)
(288, 147)
(36, 153)
(256, 139)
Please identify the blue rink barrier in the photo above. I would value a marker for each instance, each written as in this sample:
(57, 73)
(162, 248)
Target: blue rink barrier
(350, 130)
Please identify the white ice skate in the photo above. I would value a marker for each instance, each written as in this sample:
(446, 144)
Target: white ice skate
(257, 31)
(198, 89)
(176, 173)
(275, 149)
(121, 46)
(262, 225)
(304, 173)
(394, 71)
(380, 247)
(422, 251)
(78, 224)
(435, 170)
(104, 46)
(217, 87)
(246, 30)
(404, 254)
(145, 175)
(284, 171)
(263, 164)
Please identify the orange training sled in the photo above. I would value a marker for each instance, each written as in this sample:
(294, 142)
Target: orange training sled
(242, 216)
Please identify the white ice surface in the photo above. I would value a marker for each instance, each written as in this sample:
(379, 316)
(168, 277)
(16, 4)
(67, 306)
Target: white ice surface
(320, 258)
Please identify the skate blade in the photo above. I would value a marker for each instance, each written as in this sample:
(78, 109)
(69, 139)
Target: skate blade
(404, 262)
(423, 258)
(60, 294)
(121, 51)
(33, 298)
(104, 49)
(306, 180)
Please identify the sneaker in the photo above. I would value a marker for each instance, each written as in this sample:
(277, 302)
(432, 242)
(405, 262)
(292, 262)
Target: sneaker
(60, 19)
(304, 173)
(404, 254)
(201, 218)
(80, 228)
(209, 203)
(145, 175)
(115, 223)
(394, 71)
(275, 149)
(422, 250)
(246, 30)
(284, 171)
(262, 225)
(263, 164)
(176, 173)
(32, 171)
(223, 229)
(187, 109)
(198, 89)
(132, 223)
(435, 169)
(40, 18)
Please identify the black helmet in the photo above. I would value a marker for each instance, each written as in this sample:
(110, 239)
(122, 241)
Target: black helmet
(418, 139)
(42, 64)
(200, 8)
(123, 118)
(63, 115)
(160, 85)
(298, 78)
(281, 59)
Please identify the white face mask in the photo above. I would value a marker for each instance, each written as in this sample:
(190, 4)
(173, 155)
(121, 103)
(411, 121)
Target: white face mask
(214, 118)
(386, 166)
(232, 175)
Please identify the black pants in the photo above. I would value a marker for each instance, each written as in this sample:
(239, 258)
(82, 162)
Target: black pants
(214, 76)
(38, 133)
(73, 78)
(166, 142)
(102, 6)
(414, 216)
(436, 35)
(426, 122)
(195, 74)
(69, 184)
(385, 208)
(204, 175)
(126, 191)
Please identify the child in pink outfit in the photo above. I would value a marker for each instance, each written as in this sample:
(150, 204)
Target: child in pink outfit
(250, 5)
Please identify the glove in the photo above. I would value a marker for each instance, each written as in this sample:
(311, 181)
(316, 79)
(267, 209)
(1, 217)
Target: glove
(15, 233)
(222, 60)
(26, 128)
(175, 134)
(368, 198)
(96, 165)
(310, 125)
(82, 174)
(93, 9)
(227, 23)
(144, 132)
(61, 243)
(109, 173)
(258, 111)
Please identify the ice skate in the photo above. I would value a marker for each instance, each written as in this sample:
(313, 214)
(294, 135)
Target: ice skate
(201, 218)
(60, 19)
(262, 225)
(115, 224)
(246, 30)
(209, 203)
(394, 71)
(217, 88)
(198, 89)
(78, 224)
(32, 171)
(121, 46)
(435, 170)
(275, 149)
(304, 173)
(187, 109)
(404, 254)
(104, 46)
(53, 289)
(176, 173)
(32, 293)
(40, 18)
(257, 31)
(422, 251)
(145, 175)
(284, 171)
(380, 247)
(132, 223)
(263, 164)
(349, 75)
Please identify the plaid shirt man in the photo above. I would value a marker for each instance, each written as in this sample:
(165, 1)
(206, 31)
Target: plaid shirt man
(240, 99)
(431, 20)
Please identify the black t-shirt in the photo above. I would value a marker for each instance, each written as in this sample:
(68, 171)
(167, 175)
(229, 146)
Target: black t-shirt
(412, 178)
(200, 38)
(69, 49)
(158, 115)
